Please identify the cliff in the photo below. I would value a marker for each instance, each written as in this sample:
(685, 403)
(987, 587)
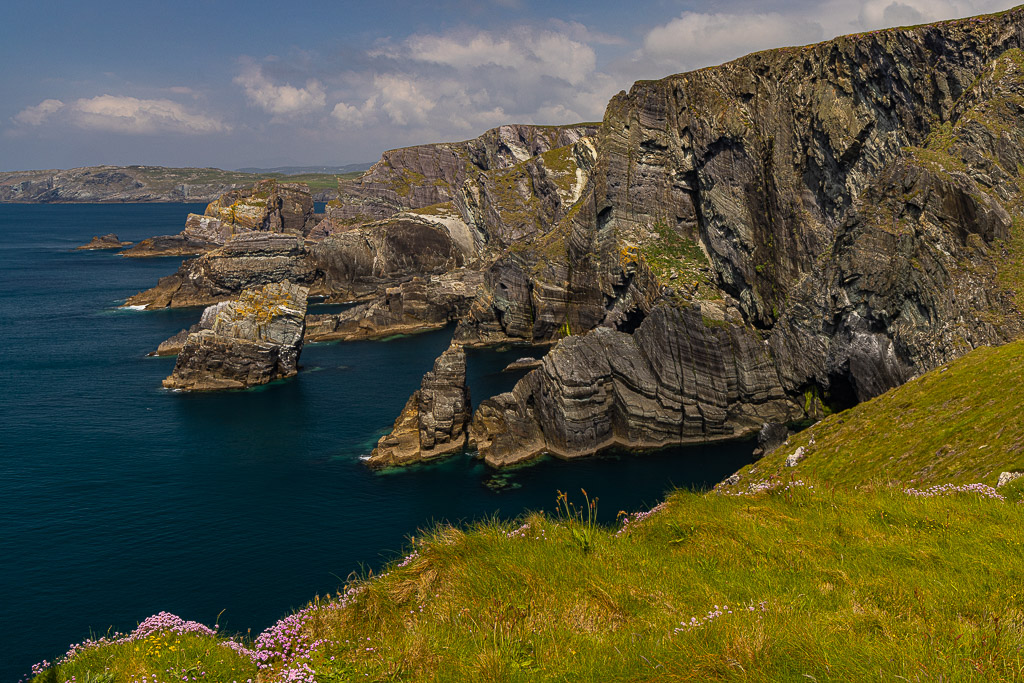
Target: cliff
(854, 204)
(267, 206)
(254, 339)
(766, 240)
(434, 420)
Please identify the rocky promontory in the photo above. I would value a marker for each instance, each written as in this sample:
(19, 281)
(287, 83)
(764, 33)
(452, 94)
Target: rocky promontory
(267, 206)
(108, 241)
(254, 339)
(433, 422)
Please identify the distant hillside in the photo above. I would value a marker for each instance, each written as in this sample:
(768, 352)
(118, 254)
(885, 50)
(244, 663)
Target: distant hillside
(302, 170)
(102, 184)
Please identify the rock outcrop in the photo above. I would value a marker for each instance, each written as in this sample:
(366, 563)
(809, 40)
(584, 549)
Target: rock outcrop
(416, 177)
(173, 345)
(414, 306)
(108, 241)
(433, 422)
(255, 339)
(246, 260)
(267, 206)
(855, 204)
(681, 377)
(736, 245)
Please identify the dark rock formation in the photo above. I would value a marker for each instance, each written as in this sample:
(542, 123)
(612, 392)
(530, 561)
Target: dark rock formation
(365, 260)
(856, 199)
(245, 261)
(771, 436)
(414, 306)
(521, 364)
(254, 340)
(268, 206)
(433, 422)
(109, 241)
(682, 377)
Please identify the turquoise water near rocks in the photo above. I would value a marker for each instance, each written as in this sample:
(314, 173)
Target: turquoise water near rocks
(119, 499)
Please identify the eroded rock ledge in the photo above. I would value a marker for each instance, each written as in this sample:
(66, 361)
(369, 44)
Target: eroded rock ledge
(682, 377)
(254, 339)
(433, 422)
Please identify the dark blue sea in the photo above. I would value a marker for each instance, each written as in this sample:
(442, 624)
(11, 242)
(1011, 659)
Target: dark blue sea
(119, 499)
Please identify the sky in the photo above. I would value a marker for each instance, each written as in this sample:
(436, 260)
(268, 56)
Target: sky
(230, 85)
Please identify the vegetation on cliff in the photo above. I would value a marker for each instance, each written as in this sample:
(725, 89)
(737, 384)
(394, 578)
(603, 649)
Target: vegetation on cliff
(855, 565)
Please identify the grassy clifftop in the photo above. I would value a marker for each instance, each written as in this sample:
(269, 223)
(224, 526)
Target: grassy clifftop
(796, 580)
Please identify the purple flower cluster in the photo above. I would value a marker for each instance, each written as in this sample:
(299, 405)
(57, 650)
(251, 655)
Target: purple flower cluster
(698, 622)
(408, 559)
(161, 623)
(629, 521)
(524, 531)
(949, 489)
(774, 485)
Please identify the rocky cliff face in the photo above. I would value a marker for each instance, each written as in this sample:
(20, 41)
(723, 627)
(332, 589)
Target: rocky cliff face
(737, 245)
(433, 422)
(855, 204)
(254, 339)
(267, 206)
(415, 177)
(245, 261)
(686, 375)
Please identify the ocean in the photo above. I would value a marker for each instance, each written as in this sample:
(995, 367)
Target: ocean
(119, 499)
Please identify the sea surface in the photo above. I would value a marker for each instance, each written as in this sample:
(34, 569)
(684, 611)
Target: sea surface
(119, 499)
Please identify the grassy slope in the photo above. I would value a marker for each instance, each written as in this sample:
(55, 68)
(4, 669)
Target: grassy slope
(850, 580)
(960, 423)
(833, 584)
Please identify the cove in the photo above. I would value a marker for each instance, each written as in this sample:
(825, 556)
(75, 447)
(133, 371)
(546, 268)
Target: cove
(119, 499)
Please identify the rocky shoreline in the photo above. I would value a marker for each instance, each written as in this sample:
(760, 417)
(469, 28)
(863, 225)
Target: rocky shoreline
(760, 242)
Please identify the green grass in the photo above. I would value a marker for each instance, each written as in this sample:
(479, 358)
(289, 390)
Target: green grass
(960, 423)
(823, 583)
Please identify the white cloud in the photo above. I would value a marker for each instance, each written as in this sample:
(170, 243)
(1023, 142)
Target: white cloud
(282, 101)
(132, 115)
(34, 116)
(455, 85)
(697, 39)
(118, 114)
(546, 53)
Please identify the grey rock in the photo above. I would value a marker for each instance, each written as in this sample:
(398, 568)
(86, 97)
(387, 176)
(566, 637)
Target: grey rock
(1006, 477)
(433, 422)
(255, 339)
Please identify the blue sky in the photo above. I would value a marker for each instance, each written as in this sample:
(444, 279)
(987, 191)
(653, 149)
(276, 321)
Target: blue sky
(205, 83)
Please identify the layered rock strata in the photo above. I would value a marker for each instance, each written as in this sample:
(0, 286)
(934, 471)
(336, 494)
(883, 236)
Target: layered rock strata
(433, 422)
(172, 346)
(254, 339)
(268, 206)
(245, 261)
(858, 201)
(681, 377)
(414, 306)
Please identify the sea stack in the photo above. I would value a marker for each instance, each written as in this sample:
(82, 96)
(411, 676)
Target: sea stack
(255, 339)
(434, 420)
(108, 241)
